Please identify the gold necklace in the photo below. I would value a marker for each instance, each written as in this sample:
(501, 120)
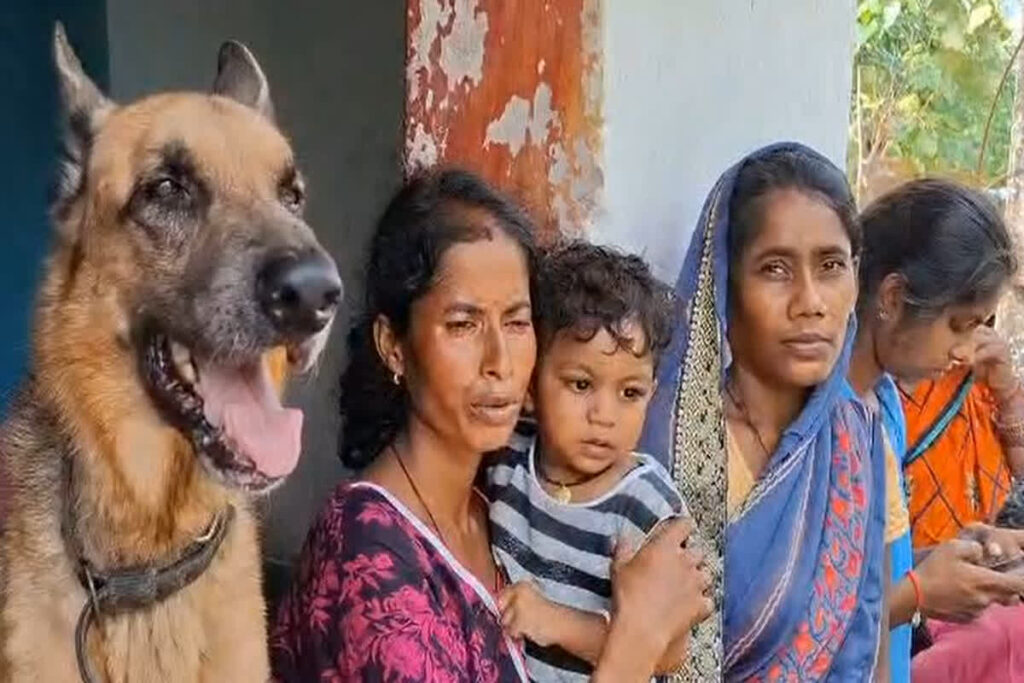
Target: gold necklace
(563, 490)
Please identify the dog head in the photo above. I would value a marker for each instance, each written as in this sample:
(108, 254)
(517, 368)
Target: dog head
(184, 212)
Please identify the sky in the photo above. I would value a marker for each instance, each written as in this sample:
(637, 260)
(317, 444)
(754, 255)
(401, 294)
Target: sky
(1012, 9)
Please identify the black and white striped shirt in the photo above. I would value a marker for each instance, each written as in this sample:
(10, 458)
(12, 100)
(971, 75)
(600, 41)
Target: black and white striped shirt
(566, 548)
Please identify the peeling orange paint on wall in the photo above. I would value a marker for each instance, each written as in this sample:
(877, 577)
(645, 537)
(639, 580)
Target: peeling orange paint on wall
(510, 89)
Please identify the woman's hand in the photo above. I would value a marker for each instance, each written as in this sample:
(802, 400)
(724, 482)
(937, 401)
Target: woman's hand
(955, 587)
(658, 595)
(674, 657)
(992, 365)
(999, 545)
(664, 584)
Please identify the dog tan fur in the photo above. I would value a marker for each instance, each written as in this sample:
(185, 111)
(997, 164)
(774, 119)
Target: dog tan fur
(84, 431)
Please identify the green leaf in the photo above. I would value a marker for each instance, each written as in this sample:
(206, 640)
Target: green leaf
(909, 105)
(891, 13)
(953, 36)
(928, 143)
(925, 74)
(873, 6)
(867, 11)
(866, 33)
(979, 15)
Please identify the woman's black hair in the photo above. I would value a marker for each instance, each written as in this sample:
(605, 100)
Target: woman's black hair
(431, 213)
(787, 168)
(948, 242)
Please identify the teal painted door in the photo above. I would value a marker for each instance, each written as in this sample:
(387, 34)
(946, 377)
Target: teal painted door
(28, 147)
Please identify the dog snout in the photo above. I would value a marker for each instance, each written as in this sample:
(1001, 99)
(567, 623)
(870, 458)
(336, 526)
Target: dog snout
(299, 293)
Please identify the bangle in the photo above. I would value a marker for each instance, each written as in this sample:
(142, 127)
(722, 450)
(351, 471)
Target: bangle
(915, 620)
(916, 583)
(1011, 434)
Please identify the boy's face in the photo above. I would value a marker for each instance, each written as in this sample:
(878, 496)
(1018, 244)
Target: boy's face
(591, 398)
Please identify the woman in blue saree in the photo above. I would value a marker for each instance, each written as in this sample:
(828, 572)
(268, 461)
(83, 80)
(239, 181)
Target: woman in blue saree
(769, 282)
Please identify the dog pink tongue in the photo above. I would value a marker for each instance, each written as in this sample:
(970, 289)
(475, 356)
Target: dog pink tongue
(244, 404)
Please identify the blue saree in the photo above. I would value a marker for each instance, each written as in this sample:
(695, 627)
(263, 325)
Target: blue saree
(901, 558)
(803, 555)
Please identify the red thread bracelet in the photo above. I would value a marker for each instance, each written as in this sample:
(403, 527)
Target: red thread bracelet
(916, 583)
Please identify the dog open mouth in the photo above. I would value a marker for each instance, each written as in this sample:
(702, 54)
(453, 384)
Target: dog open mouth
(231, 414)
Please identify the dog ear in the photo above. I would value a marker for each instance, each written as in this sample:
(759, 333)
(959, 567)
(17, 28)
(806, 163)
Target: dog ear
(83, 108)
(240, 77)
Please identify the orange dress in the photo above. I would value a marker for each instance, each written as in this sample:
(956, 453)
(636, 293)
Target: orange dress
(963, 476)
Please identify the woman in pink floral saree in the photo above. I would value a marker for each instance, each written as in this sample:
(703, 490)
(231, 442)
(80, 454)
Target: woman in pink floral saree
(384, 600)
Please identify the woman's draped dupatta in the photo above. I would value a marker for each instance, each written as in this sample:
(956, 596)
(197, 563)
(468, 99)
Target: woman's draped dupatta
(803, 555)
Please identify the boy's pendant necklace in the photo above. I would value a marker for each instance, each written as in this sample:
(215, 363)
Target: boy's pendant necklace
(563, 489)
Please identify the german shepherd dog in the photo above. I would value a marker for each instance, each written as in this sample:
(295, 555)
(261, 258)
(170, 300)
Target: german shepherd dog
(183, 286)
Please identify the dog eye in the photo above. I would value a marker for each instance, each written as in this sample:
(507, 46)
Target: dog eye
(166, 190)
(292, 197)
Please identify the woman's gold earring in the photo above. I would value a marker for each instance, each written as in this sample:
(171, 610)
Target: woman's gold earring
(397, 379)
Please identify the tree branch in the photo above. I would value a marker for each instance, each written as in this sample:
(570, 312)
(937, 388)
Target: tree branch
(995, 104)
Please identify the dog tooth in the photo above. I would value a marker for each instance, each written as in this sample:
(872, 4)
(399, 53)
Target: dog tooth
(179, 352)
(183, 362)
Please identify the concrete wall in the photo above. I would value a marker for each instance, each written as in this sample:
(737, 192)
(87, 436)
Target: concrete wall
(336, 76)
(691, 86)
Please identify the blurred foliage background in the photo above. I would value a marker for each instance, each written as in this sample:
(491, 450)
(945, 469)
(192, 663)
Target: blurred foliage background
(926, 74)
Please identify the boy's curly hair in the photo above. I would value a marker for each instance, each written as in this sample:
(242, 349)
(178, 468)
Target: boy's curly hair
(584, 288)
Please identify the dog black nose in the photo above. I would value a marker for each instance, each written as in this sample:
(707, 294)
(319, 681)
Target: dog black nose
(299, 293)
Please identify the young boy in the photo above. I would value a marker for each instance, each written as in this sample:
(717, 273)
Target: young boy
(569, 490)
